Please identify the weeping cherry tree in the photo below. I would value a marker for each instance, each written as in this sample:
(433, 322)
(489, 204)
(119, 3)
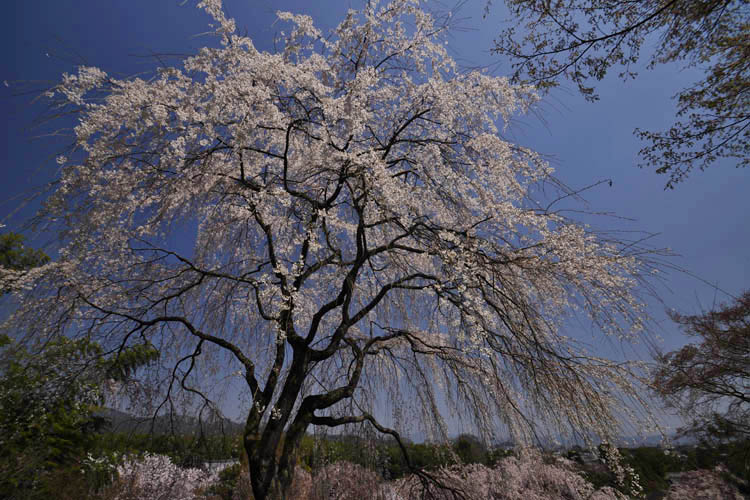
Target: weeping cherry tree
(342, 222)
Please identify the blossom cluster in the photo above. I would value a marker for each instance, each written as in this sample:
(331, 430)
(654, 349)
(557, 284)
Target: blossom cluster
(527, 477)
(703, 485)
(625, 476)
(155, 477)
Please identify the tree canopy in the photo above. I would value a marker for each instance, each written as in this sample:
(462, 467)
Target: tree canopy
(710, 380)
(343, 224)
(582, 40)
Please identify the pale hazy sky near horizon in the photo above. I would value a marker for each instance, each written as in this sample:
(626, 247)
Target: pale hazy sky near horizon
(704, 220)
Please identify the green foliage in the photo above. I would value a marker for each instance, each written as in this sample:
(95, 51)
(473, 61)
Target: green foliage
(496, 454)
(470, 449)
(16, 258)
(315, 452)
(735, 455)
(652, 465)
(598, 476)
(46, 414)
(124, 362)
(387, 458)
(227, 484)
(712, 373)
(582, 40)
(422, 455)
(49, 397)
(14, 255)
(185, 450)
(100, 470)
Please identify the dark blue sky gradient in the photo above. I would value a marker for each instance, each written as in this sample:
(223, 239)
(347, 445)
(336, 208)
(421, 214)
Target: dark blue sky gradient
(704, 220)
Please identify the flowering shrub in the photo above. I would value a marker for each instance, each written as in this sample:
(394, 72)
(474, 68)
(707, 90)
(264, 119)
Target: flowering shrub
(703, 485)
(524, 478)
(527, 477)
(626, 478)
(348, 481)
(100, 471)
(155, 477)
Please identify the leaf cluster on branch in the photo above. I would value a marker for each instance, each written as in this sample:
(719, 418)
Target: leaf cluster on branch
(582, 40)
(709, 380)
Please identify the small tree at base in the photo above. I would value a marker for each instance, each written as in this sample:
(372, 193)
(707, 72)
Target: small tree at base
(49, 398)
(343, 221)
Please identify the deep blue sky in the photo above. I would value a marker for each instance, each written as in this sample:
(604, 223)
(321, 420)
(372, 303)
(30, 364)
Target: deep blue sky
(704, 220)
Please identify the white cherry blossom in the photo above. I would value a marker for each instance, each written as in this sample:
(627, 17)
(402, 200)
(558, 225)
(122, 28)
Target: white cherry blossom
(344, 221)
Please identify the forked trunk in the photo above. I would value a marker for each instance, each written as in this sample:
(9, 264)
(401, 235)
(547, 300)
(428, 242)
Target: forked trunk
(272, 452)
(270, 477)
(271, 474)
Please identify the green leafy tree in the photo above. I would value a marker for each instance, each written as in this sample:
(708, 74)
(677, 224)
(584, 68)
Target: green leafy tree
(582, 40)
(49, 397)
(45, 414)
(470, 449)
(15, 255)
(49, 394)
(710, 380)
(16, 259)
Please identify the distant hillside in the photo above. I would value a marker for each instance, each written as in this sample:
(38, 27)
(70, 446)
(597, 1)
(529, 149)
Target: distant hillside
(119, 421)
(181, 424)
